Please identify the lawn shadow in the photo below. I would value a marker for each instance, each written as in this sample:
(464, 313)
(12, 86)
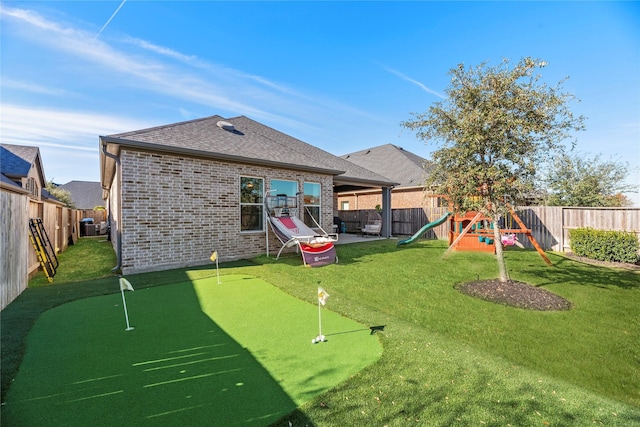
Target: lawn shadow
(565, 270)
(444, 398)
(354, 331)
(19, 316)
(176, 367)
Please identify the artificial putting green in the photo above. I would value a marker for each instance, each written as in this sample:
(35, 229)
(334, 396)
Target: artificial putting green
(201, 353)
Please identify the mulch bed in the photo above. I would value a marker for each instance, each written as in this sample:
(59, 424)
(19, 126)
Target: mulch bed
(515, 294)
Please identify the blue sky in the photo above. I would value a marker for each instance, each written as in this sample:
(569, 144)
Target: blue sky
(338, 75)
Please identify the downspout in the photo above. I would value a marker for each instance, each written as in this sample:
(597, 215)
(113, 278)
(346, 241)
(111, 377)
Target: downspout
(118, 266)
(266, 221)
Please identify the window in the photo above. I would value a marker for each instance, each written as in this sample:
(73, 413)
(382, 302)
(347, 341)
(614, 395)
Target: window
(282, 187)
(344, 205)
(251, 206)
(286, 194)
(31, 186)
(312, 203)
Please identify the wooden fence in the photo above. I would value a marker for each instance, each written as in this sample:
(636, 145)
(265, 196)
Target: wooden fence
(14, 246)
(98, 215)
(549, 225)
(18, 257)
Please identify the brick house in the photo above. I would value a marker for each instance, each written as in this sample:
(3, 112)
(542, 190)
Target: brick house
(177, 192)
(396, 164)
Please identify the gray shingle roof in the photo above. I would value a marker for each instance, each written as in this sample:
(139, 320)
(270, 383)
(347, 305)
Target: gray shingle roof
(392, 162)
(249, 142)
(85, 194)
(10, 184)
(48, 196)
(11, 163)
(16, 161)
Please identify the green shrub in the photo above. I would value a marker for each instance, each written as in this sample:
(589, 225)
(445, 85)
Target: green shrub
(612, 246)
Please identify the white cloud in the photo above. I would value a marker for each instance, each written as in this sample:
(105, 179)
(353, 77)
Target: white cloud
(68, 140)
(143, 44)
(137, 71)
(33, 19)
(217, 69)
(186, 78)
(56, 128)
(31, 87)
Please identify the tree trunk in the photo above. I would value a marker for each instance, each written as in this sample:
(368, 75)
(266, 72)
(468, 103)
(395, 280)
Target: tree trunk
(502, 266)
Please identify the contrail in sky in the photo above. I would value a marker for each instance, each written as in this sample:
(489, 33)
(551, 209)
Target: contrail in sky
(112, 16)
(417, 83)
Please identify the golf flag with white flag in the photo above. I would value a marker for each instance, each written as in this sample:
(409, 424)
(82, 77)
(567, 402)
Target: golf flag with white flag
(322, 295)
(125, 285)
(322, 300)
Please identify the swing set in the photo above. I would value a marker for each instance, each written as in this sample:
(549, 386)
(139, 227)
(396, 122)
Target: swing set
(473, 231)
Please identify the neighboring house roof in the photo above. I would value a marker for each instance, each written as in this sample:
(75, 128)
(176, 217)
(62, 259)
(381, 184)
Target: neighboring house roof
(85, 194)
(392, 162)
(11, 185)
(50, 197)
(13, 165)
(239, 140)
(16, 161)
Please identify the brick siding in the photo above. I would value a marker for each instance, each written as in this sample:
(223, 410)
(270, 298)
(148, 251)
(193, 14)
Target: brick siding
(400, 199)
(176, 210)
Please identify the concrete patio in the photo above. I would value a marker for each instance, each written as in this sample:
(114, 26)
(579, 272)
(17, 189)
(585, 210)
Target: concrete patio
(346, 238)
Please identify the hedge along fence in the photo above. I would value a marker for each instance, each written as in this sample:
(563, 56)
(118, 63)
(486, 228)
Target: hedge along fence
(613, 246)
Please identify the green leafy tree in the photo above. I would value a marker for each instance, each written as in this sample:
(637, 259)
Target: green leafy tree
(579, 180)
(497, 125)
(61, 194)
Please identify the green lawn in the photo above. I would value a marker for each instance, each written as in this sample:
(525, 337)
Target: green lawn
(89, 258)
(448, 358)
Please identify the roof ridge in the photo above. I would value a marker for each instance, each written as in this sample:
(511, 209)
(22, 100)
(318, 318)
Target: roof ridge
(391, 161)
(279, 142)
(167, 126)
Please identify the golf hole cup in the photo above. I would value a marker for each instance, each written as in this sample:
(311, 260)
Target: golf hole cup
(319, 338)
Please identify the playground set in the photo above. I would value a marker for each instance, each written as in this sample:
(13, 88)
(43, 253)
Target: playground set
(474, 232)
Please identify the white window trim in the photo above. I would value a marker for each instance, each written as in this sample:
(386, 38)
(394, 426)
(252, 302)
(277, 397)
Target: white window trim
(242, 204)
(319, 204)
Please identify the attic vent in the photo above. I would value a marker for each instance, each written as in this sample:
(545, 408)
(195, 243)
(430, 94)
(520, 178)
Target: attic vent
(226, 126)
